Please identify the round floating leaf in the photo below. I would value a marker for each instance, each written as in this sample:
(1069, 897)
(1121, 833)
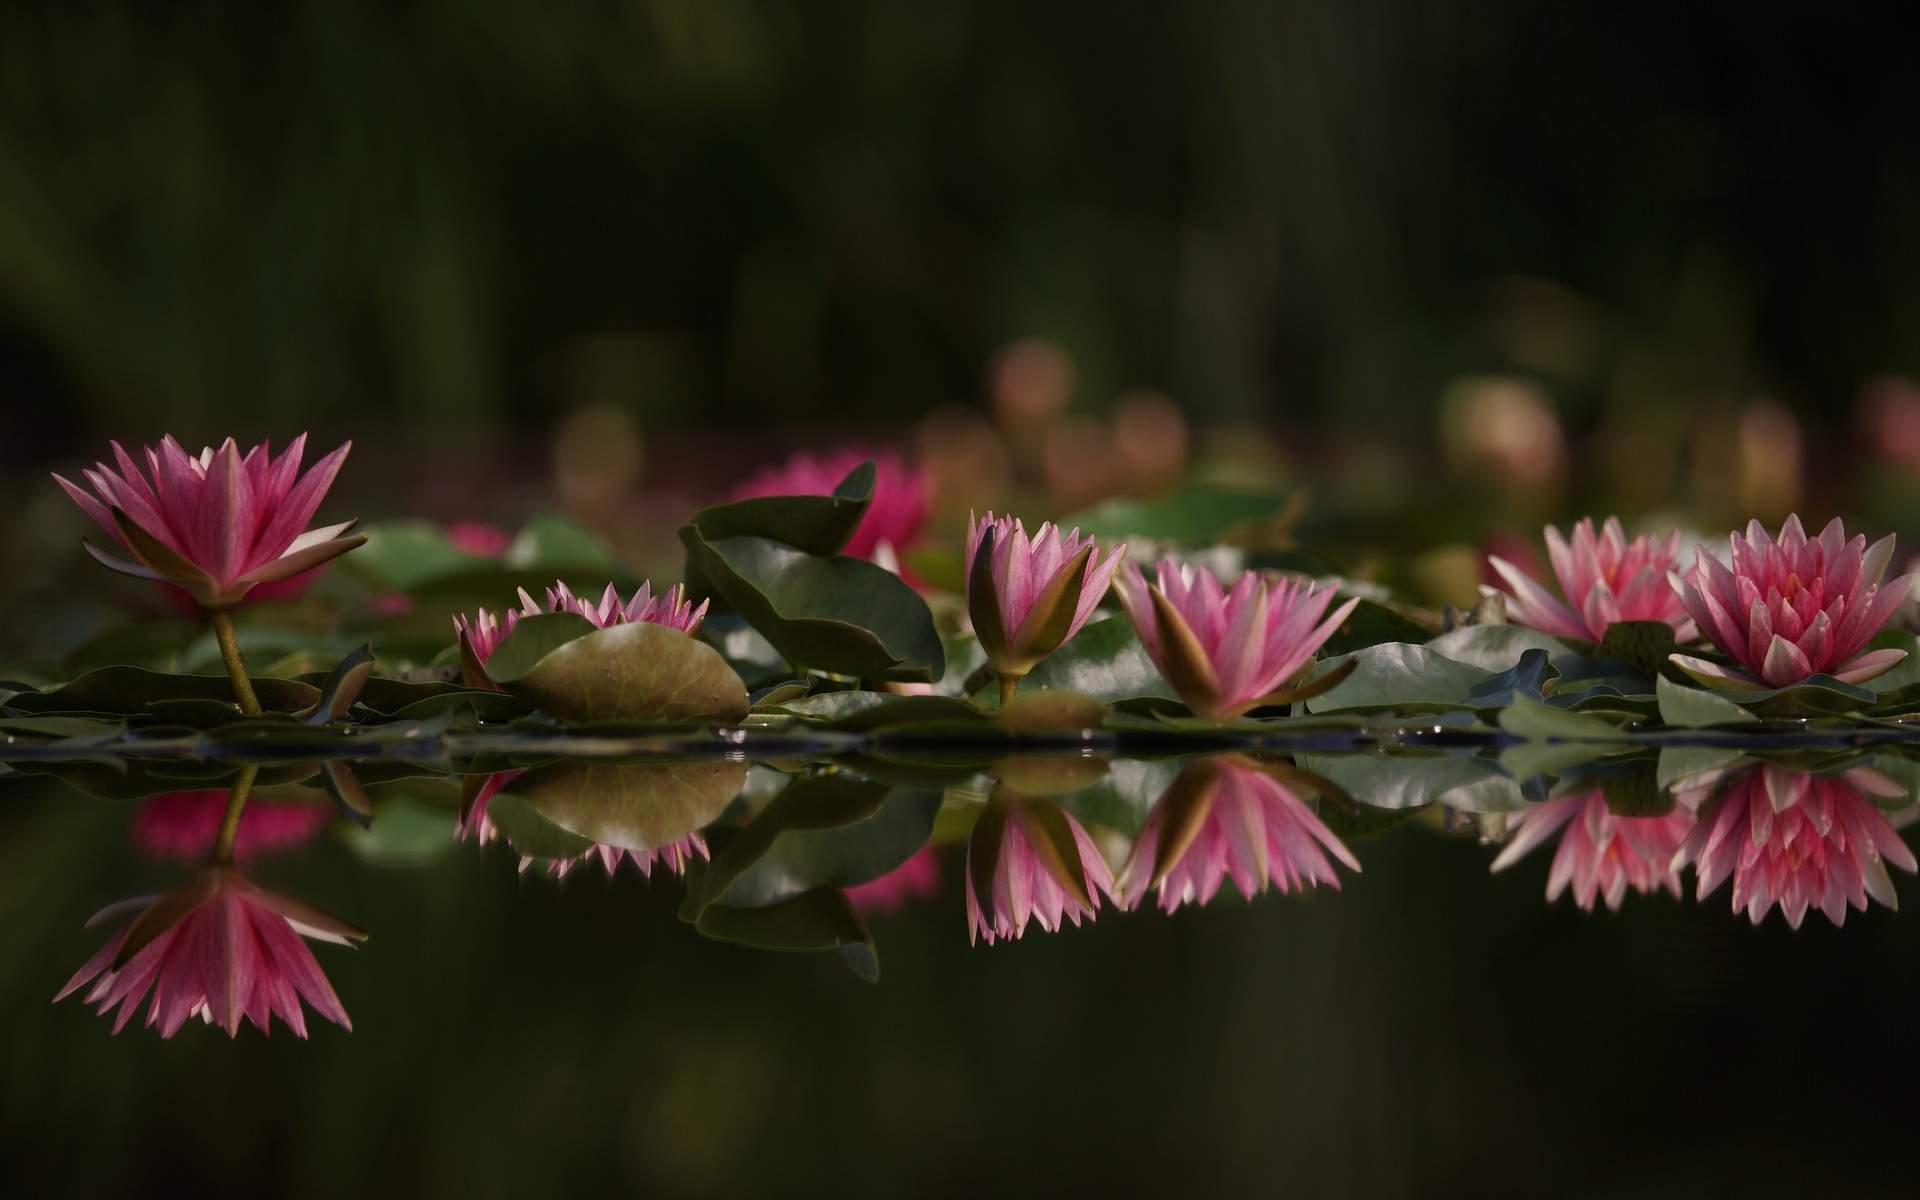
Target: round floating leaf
(823, 919)
(556, 545)
(132, 690)
(1372, 623)
(531, 833)
(402, 555)
(1416, 780)
(634, 806)
(634, 672)
(1697, 708)
(1398, 675)
(1105, 661)
(1496, 647)
(532, 639)
(822, 831)
(843, 615)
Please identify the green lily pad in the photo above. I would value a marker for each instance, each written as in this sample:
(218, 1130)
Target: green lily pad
(822, 919)
(1372, 623)
(1200, 516)
(1697, 708)
(1496, 647)
(555, 545)
(1400, 676)
(532, 639)
(1105, 661)
(634, 672)
(817, 525)
(1402, 781)
(842, 615)
(132, 690)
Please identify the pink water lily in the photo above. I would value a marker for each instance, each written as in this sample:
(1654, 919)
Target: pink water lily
(918, 878)
(1029, 860)
(1601, 854)
(215, 524)
(1795, 840)
(483, 632)
(474, 825)
(1228, 819)
(1605, 579)
(893, 519)
(1227, 650)
(185, 825)
(1794, 606)
(1028, 596)
(220, 949)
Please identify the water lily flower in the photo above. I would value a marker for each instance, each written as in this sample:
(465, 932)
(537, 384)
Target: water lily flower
(893, 519)
(217, 524)
(483, 632)
(1226, 651)
(220, 949)
(1028, 596)
(1601, 853)
(1791, 839)
(474, 825)
(185, 825)
(1226, 818)
(1794, 606)
(1605, 579)
(918, 878)
(1030, 860)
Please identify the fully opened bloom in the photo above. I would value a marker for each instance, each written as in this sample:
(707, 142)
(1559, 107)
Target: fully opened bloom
(1028, 596)
(216, 524)
(895, 515)
(1796, 840)
(1794, 606)
(1228, 819)
(483, 632)
(1605, 579)
(220, 949)
(1226, 650)
(1601, 853)
(184, 825)
(1028, 860)
(474, 825)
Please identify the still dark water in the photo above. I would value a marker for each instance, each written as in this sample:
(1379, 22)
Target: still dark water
(1388, 1015)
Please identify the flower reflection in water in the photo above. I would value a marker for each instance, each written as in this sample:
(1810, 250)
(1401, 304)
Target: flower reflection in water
(1030, 860)
(185, 825)
(918, 878)
(1601, 853)
(1794, 839)
(1228, 818)
(220, 949)
(475, 825)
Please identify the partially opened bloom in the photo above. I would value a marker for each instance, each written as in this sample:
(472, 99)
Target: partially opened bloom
(1028, 596)
(1796, 840)
(1225, 650)
(1601, 853)
(918, 878)
(185, 825)
(1228, 819)
(1794, 606)
(1605, 578)
(215, 524)
(483, 632)
(474, 825)
(220, 949)
(1029, 860)
(894, 517)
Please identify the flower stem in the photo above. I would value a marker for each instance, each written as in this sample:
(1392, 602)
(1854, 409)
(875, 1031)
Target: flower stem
(1008, 685)
(230, 821)
(236, 667)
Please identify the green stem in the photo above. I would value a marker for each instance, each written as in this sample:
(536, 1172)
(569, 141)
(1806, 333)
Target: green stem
(1008, 685)
(230, 821)
(236, 666)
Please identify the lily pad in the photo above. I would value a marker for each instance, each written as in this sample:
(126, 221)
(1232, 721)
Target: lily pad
(1496, 647)
(634, 672)
(822, 919)
(817, 525)
(1697, 708)
(1104, 661)
(131, 690)
(1398, 675)
(1200, 516)
(1372, 623)
(842, 615)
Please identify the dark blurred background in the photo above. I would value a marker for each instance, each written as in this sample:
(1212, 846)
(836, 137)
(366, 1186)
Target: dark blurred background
(1620, 255)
